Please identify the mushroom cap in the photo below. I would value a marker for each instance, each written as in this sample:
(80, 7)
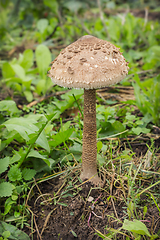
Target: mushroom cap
(89, 63)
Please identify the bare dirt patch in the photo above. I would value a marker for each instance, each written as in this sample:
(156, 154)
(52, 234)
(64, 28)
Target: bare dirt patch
(81, 218)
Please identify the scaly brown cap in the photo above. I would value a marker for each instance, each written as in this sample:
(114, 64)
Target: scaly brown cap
(89, 63)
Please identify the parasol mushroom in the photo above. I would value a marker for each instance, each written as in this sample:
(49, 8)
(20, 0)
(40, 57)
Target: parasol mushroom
(89, 63)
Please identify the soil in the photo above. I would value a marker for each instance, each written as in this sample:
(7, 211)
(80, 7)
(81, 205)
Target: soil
(72, 221)
(88, 210)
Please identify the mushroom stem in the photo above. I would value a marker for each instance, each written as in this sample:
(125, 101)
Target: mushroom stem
(89, 155)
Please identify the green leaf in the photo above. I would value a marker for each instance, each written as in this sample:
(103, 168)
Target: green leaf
(28, 173)
(7, 70)
(15, 233)
(6, 189)
(18, 155)
(43, 59)
(136, 226)
(42, 25)
(100, 159)
(63, 204)
(139, 130)
(76, 148)
(43, 142)
(14, 174)
(99, 146)
(19, 71)
(130, 209)
(27, 60)
(35, 154)
(24, 126)
(6, 234)
(61, 137)
(7, 207)
(8, 106)
(74, 6)
(41, 86)
(4, 163)
(47, 160)
(14, 197)
(138, 238)
(113, 24)
(153, 53)
(40, 141)
(28, 95)
(74, 234)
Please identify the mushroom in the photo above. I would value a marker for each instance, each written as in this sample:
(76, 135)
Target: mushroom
(89, 63)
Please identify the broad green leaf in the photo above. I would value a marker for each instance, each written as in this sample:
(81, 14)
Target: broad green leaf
(40, 86)
(43, 85)
(27, 60)
(138, 130)
(130, 117)
(7, 70)
(24, 126)
(10, 136)
(42, 25)
(4, 163)
(6, 234)
(28, 95)
(6, 189)
(15, 233)
(101, 160)
(65, 126)
(74, 6)
(136, 226)
(37, 117)
(8, 106)
(132, 54)
(98, 25)
(63, 105)
(20, 154)
(47, 160)
(28, 173)
(43, 142)
(153, 53)
(118, 126)
(61, 137)
(109, 128)
(14, 174)
(19, 71)
(43, 59)
(76, 148)
(114, 29)
(50, 162)
(36, 154)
